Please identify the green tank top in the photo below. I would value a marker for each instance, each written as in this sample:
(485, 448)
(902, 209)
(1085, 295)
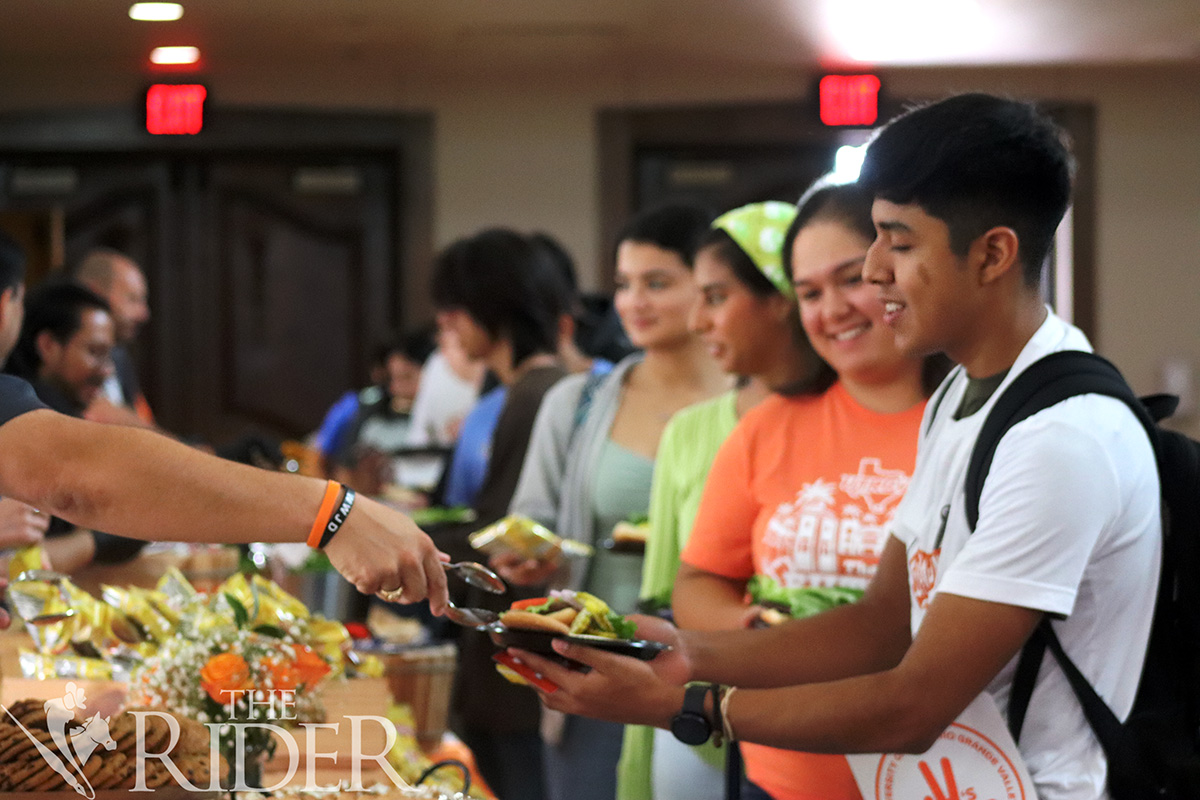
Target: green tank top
(621, 491)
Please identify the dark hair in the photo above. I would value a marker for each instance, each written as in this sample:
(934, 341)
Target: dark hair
(510, 287)
(676, 227)
(415, 346)
(12, 263)
(58, 308)
(976, 161)
(849, 205)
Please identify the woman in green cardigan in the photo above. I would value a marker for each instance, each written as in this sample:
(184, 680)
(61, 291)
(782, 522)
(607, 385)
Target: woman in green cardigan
(748, 318)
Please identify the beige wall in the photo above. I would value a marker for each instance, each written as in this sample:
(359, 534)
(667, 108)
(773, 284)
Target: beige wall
(523, 153)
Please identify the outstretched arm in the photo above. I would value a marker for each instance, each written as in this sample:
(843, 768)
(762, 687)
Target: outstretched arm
(137, 483)
(963, 643)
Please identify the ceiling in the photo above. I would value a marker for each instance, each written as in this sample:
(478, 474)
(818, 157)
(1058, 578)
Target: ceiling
(448, 37)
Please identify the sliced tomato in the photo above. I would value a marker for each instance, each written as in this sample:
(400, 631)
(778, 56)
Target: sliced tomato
(535, 679)
(521, 605)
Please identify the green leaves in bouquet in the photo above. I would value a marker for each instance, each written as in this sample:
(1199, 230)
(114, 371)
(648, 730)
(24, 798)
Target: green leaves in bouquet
(271, 630)
(240, 615)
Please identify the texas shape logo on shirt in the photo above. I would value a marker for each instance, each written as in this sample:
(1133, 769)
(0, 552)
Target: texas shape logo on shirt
(874, 485)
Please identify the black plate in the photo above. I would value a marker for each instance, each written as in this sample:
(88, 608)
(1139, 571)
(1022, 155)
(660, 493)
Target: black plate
(540, 642)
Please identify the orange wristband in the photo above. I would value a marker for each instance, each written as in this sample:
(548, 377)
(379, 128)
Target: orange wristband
(323, 513)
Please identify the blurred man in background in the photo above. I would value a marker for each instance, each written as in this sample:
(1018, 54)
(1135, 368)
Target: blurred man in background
(121, 283)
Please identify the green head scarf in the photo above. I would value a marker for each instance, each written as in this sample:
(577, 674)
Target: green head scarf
(759, 229)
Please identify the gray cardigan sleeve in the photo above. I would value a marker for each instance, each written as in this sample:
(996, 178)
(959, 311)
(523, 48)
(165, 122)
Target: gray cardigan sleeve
(539, 489)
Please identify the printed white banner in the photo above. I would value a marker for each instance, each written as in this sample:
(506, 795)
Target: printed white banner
(974, 759)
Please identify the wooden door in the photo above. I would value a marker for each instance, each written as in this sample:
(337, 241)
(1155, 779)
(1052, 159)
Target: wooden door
(290, 285)
(270, 276)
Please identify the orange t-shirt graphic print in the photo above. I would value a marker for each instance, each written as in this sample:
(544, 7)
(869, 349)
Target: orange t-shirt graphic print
(832, 534)
(803, 491)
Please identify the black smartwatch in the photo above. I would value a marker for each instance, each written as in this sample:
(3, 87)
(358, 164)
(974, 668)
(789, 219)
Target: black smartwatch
(691, 725)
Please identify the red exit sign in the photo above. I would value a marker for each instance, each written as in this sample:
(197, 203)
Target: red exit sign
(849, 99)
(174, 108)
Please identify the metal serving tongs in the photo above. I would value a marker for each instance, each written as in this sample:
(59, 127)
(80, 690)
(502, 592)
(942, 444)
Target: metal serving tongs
(473, 574)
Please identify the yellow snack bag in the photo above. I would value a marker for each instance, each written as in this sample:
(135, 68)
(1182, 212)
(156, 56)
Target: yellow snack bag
(525, 537)
(27, 559)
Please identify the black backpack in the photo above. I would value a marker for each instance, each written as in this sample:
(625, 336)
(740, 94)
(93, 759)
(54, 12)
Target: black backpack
(1155, 753)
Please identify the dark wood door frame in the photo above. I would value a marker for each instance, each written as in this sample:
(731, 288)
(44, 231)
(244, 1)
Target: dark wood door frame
(402, 140)
(408, 138)
(622, 132)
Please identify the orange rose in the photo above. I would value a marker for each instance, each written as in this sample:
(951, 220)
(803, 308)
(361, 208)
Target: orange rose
(282, 672)
(309, 667)
(225, 672)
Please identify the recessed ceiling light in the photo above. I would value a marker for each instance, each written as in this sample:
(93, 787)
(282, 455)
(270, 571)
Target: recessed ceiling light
(175, 55)
(155, 12)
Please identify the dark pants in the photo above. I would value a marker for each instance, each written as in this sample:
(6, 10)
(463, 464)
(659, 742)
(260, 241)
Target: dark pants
(751, 791)
(510, 762)
(583, 766)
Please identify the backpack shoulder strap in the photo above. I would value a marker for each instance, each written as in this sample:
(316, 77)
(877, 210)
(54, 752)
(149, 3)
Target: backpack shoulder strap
(1047, 382)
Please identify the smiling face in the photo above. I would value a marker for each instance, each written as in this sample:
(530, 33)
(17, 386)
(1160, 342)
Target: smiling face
(926, 289)
(739, 327)
(840, 312)
(654, 296)
(80, 366)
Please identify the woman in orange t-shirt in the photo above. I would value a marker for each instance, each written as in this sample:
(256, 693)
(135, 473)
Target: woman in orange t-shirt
(802, 491)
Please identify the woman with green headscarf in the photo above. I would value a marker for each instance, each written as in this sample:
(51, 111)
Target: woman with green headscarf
(748, 318)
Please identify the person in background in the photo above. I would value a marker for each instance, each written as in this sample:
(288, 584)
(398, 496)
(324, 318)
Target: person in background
(370, 458)
(120, 281)
(468, 465)
(148, 486)
(590, 460)
(450, 385)
(503, 299)
(64, 352)
(329, 438)
(747, 316)
(20, 524)
(572, 326)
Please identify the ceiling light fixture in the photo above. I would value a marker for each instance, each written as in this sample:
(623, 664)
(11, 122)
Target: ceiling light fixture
(155, 12)
(175, 55)
(912, 32)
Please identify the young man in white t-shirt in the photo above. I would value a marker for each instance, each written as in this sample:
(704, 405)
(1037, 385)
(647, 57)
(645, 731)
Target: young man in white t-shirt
(968, 192)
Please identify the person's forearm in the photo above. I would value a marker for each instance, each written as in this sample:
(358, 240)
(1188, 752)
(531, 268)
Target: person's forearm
(704, 601)
(140, 484)
(876, 713)
(71, 551)
(845, 641)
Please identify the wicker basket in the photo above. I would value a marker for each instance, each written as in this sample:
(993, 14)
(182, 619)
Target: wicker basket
(422, 677)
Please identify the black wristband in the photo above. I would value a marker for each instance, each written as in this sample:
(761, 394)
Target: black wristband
(338, 517)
